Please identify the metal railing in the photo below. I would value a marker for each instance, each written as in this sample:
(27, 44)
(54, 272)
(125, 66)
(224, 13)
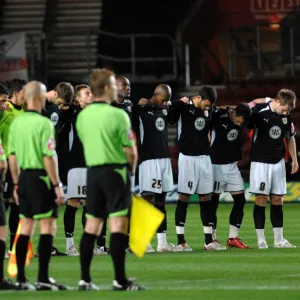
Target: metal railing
(259, 55)
(134, 59)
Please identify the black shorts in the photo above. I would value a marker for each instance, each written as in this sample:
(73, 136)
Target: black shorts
(8, 186)
(108, 191)
(36, 195)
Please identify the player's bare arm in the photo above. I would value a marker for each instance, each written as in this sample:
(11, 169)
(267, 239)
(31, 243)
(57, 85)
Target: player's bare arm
(3, 168)
(15, 171)
(132, 156)
(292, 151)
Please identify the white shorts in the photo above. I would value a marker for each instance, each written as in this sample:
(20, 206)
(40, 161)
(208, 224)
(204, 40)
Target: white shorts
(195, 175)
(155, 176)
(77, 183)
(132, 178)
(267, 179)
(227, 178)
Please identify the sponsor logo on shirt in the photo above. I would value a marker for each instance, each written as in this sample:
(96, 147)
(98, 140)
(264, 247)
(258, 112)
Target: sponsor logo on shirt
(275, 132)
(131, 136)
(51, 144)
(199, 123)
(232, 135)
(54, 118)
(160, 124)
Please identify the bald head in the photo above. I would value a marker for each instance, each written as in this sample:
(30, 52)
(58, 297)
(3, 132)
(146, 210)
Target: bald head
(163, 93)
(124, 88)
(35, 94)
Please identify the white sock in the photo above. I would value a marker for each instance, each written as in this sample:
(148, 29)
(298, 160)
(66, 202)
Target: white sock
(179, 230)
(161, 239)
(214, 234)
(260, 235)
(207, 229)
(69, 242)
(233, 232)
(278, 234)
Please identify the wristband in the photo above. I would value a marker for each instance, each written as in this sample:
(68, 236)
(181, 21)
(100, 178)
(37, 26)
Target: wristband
(58, 185)
(16, 186)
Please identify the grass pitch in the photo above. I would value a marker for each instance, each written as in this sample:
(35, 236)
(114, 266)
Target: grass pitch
(232, 274)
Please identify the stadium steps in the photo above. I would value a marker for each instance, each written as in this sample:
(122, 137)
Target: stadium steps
(25, 16)
(69, 44)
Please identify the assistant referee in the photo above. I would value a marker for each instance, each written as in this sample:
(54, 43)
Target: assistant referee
(37, 190)
(110, 154)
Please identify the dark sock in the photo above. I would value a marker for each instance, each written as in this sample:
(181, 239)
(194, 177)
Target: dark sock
(101, 239)
(180, 219)
(259, 216)
(69, 220)
(83, 218)
(44, 251)
(277, 216)
(2, 256)
(117, 251)
(214, 207)
(86, 254)
(205, 214)
(13, 223)
(21, 252)
(163, 226)
(237, 212)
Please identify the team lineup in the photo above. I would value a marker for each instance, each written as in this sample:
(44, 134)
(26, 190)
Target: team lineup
(91, 139)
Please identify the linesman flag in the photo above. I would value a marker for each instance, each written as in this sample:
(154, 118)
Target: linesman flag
(12, 269)
(144, 221)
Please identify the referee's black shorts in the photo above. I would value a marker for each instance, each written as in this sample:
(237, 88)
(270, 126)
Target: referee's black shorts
(108, 191)
(8, 186)
(36, 195)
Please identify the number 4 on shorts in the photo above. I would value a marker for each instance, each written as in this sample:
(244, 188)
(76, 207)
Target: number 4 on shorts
(190, 185)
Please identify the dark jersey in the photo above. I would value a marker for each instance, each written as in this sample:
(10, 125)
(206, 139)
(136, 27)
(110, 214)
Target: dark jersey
(270, 130)
(226, 139)
(52, 112)
(153, 132)
(193, 129)
(126, 106)
(76, 155)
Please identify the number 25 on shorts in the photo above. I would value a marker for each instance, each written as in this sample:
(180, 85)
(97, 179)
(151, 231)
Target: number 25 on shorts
(156, 184)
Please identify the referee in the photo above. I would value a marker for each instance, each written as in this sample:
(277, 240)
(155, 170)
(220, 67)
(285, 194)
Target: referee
(101, 126)
(37, 189)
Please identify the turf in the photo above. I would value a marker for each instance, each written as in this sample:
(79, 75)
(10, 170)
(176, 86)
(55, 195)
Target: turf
(232, 274)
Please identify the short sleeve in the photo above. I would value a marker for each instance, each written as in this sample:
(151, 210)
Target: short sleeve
(2, 153)
(48, 140)
(126, 134)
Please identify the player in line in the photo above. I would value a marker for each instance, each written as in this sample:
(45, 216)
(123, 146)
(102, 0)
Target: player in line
(225, 151)
(122, 102)
(76, 183)
(155, 170)
(195, 167)
(37, 189)
(272, 125)
(101, 126)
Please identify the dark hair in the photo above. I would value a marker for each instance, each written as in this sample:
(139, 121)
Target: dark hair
(243, 110)
(3, 90)
(209, 93)
(15, 86)
(288, 97)
(78, 88)
(100, 78)
(65, 91)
